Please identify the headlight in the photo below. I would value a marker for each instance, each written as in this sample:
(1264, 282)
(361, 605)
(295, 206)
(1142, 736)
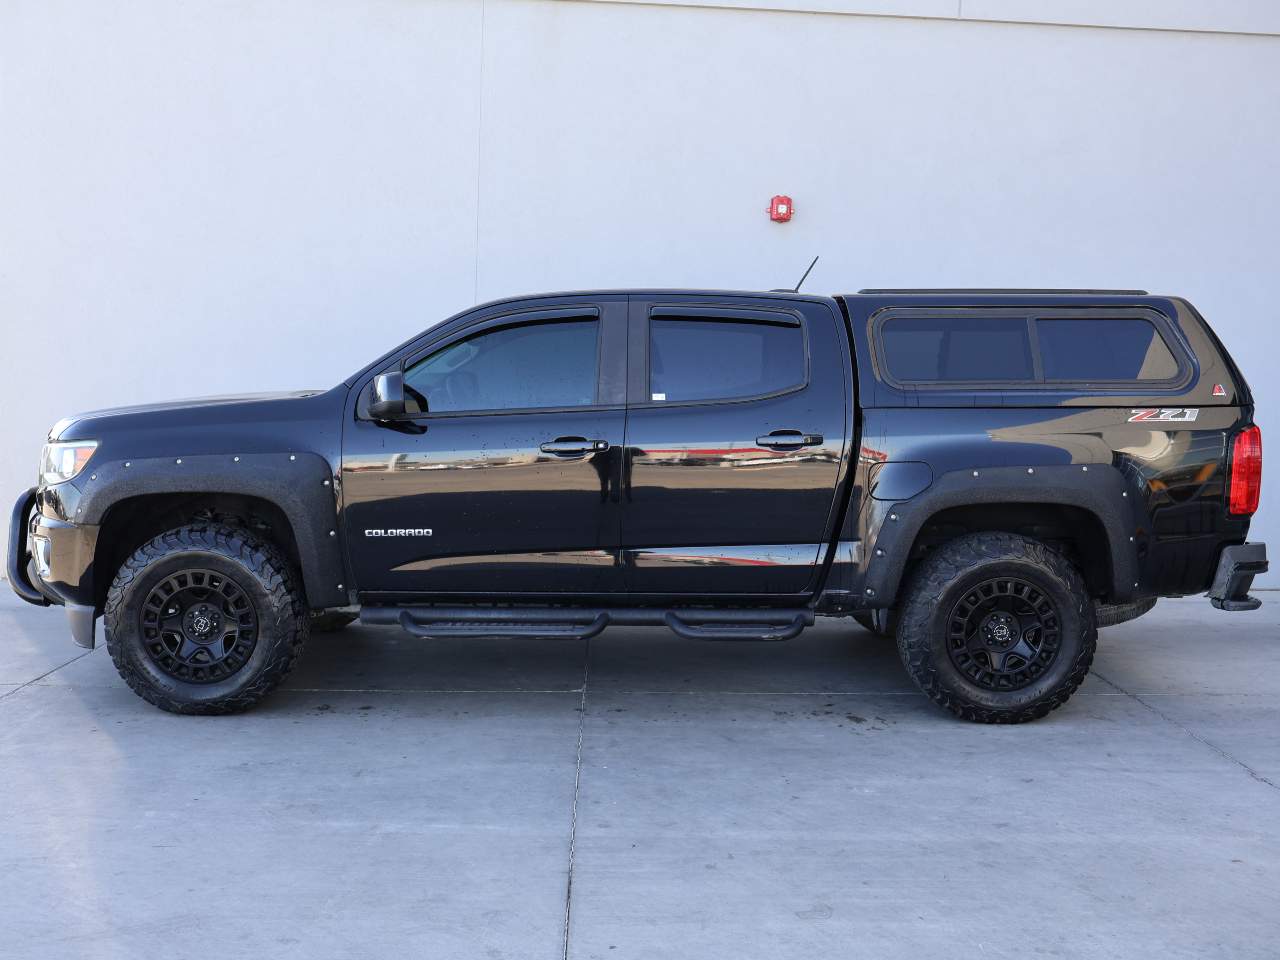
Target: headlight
(62, 461)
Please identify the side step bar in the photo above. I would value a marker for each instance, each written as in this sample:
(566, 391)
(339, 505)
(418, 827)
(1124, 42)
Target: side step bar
(550, 623)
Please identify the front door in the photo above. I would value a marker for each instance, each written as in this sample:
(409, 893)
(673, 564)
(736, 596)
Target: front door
(736, 424)
(504, 477)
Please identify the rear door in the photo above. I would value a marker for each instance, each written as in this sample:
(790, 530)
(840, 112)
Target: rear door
(738, 411)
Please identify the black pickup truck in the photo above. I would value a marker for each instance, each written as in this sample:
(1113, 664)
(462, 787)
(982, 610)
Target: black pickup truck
(989, 475)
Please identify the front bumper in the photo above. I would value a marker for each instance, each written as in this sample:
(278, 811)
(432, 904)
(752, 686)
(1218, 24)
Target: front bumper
(50, 561)
(19, 556)
(1236, 569)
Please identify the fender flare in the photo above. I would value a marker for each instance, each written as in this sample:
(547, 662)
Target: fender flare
(890, 528)
(301, 485)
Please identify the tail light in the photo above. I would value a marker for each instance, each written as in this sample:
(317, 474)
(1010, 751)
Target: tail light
(1245, 471)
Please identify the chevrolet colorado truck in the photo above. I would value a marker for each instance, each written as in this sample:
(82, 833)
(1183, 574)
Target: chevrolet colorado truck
(988, 475)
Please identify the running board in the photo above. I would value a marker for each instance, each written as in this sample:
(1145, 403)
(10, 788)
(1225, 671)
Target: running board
(550, 623)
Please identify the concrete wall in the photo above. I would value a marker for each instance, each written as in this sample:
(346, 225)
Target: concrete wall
(223, 196)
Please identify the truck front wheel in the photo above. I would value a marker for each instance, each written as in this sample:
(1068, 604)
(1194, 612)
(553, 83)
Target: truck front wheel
(205, 619)
(997, 628)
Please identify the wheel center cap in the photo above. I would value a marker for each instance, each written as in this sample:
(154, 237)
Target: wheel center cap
(1000, 630)
(202, 623)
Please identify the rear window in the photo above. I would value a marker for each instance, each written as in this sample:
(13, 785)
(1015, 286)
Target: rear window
(1014, 346)
(958, 348)
(1080, 348)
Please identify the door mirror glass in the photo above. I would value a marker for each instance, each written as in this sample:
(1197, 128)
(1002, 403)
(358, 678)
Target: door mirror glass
(388, 396)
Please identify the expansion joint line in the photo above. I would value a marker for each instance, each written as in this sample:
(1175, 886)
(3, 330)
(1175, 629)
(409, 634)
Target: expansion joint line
(577, 782)
(1190, 733)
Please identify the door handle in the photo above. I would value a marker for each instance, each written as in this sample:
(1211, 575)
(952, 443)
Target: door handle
(788, 440)
(573, 446)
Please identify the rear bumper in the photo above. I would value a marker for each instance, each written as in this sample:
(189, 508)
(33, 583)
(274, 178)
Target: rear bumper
(50, 561)
(1236, 569)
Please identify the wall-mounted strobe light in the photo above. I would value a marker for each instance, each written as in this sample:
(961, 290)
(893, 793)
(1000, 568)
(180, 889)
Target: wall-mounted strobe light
(780, 209)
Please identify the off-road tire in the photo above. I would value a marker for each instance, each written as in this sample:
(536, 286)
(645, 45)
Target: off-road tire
(256, 567)
(958, 566)
(331, 621)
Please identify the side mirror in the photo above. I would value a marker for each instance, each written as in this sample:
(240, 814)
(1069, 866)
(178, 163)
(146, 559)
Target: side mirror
(388, 396)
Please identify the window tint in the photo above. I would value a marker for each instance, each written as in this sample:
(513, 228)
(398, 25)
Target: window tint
(535, 365)
(1101, 349)
(722, 359)
(957, 348)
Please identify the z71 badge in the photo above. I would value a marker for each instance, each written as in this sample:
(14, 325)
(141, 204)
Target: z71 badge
(1165, 414)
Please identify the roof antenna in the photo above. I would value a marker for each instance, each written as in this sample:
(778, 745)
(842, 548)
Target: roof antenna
(805, 277)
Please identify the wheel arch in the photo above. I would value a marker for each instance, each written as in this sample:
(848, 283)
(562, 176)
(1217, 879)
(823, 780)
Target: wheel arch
(1075, 530)
(288, 498)
(1090, 512)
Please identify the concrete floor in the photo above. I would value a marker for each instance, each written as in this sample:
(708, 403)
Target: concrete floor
(800, 800)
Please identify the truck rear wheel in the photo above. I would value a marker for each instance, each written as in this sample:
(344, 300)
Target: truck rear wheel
(997, 628)
(205, 619)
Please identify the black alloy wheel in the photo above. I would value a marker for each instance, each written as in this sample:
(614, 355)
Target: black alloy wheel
(1003, 633)
(198, 626)
(997, 627)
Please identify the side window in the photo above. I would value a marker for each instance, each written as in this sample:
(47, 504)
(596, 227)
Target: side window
(722, 359)
(984, 349)
(1123, 348)
(552, 364)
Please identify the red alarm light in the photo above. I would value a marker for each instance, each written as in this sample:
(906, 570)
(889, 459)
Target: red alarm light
(780, 209)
